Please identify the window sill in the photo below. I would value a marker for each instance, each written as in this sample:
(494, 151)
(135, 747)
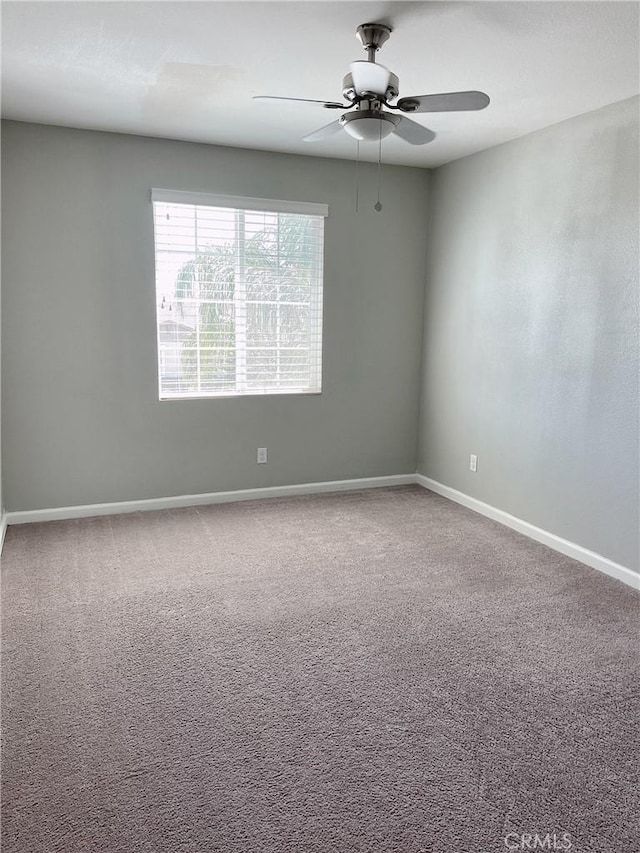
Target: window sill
(232, 396)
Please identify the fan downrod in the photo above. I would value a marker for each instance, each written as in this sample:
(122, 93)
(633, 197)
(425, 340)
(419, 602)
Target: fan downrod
(372, 37)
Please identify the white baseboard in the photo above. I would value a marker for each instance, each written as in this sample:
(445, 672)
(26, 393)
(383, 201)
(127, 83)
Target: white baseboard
(86, 510)
(564, 546)
(3, 530)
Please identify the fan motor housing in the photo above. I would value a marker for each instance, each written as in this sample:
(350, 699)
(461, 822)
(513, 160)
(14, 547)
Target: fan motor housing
(350, 94)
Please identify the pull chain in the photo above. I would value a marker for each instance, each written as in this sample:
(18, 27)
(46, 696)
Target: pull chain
(357, 171)
(377, 205)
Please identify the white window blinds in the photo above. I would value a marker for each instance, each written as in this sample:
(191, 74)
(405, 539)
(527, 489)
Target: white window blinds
(238, 295)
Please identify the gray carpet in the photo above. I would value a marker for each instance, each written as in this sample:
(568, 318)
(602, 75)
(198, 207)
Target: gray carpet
(373, 671)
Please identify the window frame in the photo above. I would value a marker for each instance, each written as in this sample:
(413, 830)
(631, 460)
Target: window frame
(243, 205)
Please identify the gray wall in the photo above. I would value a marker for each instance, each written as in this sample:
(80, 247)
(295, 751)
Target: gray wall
(531, 330)
(81, 419)
(1, 492)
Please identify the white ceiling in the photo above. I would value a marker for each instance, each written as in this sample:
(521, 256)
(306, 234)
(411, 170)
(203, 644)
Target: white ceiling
(188, 70)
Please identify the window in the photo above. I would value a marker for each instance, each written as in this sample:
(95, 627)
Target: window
(238, 295)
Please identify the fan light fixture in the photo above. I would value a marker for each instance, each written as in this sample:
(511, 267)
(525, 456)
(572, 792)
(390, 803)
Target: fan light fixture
(369, 125)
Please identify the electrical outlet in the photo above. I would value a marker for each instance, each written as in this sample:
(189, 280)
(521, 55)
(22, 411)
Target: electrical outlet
(473, 462)
(262, 455)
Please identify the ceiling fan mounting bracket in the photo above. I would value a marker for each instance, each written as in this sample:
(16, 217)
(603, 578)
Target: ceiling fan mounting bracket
(372, 37)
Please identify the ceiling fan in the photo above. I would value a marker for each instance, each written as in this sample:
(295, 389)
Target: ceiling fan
(369, 88)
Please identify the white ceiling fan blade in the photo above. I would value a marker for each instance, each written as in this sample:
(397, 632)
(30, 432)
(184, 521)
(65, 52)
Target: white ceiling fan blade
(330, 105)
(444, 103)
(323, 132)
(413, 133)
(369, 77)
